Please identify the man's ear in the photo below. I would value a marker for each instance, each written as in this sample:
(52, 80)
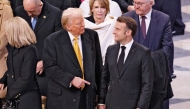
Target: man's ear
(129, 32)
(68, 27)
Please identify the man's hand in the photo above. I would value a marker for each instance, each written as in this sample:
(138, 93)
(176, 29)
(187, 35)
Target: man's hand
(101, 107)
(130, 8)
(1, 86)
(79, 83)
(39, 67)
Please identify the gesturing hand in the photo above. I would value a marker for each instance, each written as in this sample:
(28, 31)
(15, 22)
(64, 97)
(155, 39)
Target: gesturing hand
(39, 67)
(79, 82)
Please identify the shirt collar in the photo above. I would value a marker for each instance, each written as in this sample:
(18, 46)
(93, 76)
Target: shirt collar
(72, 37)
(128, 45)
(148, 15)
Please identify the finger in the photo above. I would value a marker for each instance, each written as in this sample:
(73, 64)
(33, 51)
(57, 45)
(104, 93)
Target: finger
(40, 72)
(2, 86)
(37, 71)
(86, 82)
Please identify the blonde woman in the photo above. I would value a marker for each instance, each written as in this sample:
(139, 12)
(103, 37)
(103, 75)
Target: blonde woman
(5, 13)
(20, 77)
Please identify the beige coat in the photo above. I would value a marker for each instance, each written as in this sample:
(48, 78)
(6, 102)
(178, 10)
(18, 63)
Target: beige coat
(5, 13)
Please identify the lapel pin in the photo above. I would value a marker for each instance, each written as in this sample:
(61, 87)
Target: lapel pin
(44, 17)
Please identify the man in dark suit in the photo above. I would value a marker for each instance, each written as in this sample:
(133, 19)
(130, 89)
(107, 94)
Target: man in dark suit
(73, 62)
(128, 71)
(154, 31)
(44, 19)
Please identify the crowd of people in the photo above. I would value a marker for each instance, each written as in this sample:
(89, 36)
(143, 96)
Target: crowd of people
(87, 54)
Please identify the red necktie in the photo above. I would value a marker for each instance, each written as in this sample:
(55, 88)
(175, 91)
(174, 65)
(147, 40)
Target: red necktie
(143, 26)
(81, 1)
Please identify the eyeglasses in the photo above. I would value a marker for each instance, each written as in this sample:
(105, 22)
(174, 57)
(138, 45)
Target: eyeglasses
(139, 3)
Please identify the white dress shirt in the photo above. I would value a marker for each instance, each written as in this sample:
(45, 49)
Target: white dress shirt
(147, 20)
(128, 47)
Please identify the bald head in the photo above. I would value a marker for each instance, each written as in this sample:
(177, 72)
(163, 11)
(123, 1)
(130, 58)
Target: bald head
(32, 7)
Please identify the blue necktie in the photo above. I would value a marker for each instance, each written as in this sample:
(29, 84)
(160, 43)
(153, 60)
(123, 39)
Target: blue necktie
(34, 22)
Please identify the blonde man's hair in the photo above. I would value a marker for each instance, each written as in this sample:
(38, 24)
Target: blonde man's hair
(103, 3)
(18, 32)
(69, 14)
(6, 2)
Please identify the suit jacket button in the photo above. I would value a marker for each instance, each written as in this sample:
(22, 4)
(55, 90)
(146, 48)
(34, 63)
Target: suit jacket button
(74, 100)
(12, 76)
(78, 69)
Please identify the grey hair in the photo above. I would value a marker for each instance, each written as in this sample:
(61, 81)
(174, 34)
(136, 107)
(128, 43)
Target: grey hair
(152, 1)
(68, 14)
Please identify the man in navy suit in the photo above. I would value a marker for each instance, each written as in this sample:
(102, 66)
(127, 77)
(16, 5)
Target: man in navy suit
(154, 29)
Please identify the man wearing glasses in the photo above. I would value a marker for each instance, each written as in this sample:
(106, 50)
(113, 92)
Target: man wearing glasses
(154, 32)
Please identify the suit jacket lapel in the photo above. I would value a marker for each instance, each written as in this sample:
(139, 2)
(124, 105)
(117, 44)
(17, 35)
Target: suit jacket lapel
(42, 17)
(68, 48)
(115, 57)
(138, 33)
(152, 27)
(129, 57)
(87, 55)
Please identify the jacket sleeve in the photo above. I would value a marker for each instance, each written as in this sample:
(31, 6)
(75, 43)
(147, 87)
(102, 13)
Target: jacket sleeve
(104, 81)
(147, 80)
(99, 63)
(167, 44)
(28, 72)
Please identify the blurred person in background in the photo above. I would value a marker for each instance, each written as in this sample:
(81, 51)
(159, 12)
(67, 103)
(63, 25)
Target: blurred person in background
(5, 14)
(101, 22)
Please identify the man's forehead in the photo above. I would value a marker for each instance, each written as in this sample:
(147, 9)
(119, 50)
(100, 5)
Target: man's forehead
(29, 6)
(140, 0)
(120, 24)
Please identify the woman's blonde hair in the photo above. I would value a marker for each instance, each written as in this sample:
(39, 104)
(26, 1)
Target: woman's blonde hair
(18, 32)
(103, 3)
(5, 2)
